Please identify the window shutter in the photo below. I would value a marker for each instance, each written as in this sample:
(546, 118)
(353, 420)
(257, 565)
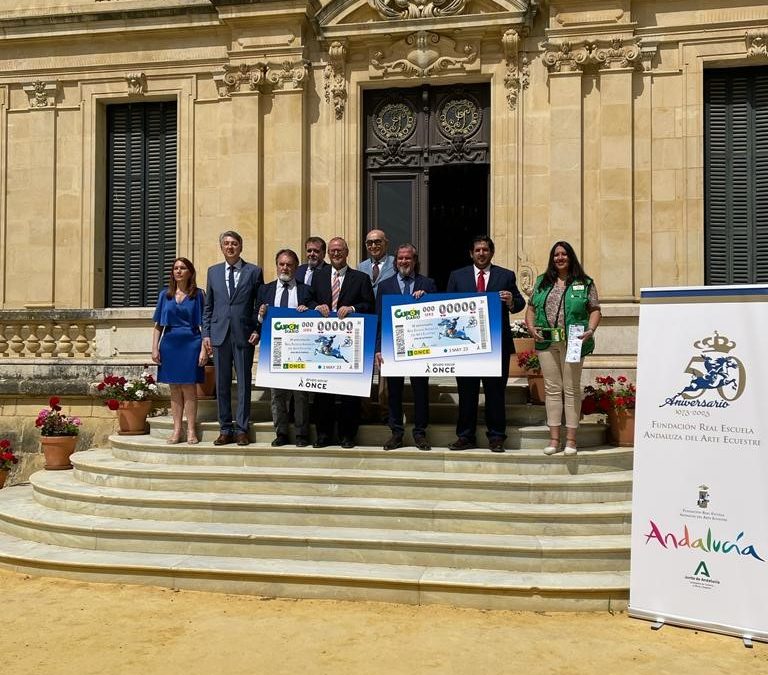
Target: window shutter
(736, 175)
(141, 221)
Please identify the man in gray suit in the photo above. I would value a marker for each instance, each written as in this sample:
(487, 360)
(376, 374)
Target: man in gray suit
(229, 332)
(378, 265)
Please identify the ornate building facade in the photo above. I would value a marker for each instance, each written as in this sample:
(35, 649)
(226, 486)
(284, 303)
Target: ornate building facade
(135, 130)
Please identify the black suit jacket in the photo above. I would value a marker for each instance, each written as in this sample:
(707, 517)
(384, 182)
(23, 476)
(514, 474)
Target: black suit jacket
(391, 286)
(268, 291)
(301, 270)
(499, 279)
(356, 291)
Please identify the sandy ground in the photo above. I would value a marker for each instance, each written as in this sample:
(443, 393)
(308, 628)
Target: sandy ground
(58, 626)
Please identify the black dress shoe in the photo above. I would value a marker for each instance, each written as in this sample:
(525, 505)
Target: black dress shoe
(395, 441)
(224, 439)
(461, 443)
(301, 442)
(420, 441)
(496, 444)
(322, 442)
(280, 440)
(242, 438)
(348, 443)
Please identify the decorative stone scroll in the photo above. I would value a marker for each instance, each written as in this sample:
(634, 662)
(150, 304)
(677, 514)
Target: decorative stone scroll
(287, 75)
(423, 54)
(42, 94)
(234, 77)
(47, 339)
(417, 9)
(757, 43)
(137, 83)
(333, 75)
(609, 54)
(516, 75)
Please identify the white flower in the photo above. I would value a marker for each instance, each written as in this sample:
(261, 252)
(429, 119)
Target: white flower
(152, 387)
(127, 386)
(140, 393)
(145, 375)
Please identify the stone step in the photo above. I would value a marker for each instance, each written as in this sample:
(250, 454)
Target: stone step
(58, 490)
(440, 435)
(99, 467)
(154, 450)
(23, 517)
(487, 589)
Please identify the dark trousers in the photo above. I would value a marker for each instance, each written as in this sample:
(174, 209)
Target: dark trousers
(225, 356)
(420, 386)
(495, 389)
(335, 409)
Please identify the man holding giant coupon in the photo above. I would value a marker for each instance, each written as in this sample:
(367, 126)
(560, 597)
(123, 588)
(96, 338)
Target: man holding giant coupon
(482, 277)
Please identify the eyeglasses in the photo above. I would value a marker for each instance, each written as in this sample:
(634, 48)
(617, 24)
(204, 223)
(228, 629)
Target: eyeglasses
(372, 242)
(313, 250)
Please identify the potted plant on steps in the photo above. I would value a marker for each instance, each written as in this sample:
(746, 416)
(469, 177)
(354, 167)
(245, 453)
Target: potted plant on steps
(529, 362)
(7, 460)
(523, 342)
(614, 398)
(131, 399)
(207, 388)
(58, 435)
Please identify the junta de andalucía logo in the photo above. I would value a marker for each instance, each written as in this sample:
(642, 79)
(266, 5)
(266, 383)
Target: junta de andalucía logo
(718, 378)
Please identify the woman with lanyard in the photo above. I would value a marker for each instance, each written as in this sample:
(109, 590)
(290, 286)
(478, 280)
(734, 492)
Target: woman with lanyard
(563, 307)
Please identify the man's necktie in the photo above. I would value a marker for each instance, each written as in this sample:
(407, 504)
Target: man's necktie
(231, 281)
(284, 297)
(407, 285)
(375, 271)
(335, 289)
(481, 282)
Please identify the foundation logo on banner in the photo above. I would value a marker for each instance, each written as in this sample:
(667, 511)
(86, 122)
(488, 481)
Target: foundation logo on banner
(703, 500)
(717, 377)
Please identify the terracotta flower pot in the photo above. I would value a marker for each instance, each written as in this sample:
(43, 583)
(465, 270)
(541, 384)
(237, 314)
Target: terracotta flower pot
(536, 388)
(207, 387)
(132, 417)
(521, 345)
(622, 427)
(57, 450)
(3, 476)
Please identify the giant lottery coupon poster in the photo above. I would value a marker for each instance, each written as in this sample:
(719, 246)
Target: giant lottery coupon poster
(304, 351)
(454, 334)
(700, 500)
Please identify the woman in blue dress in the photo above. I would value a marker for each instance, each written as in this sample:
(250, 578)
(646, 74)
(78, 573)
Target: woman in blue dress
(177, 345)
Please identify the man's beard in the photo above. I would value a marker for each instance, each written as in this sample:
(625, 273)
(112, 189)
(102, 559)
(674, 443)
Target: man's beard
(405, 271)
(285, 278)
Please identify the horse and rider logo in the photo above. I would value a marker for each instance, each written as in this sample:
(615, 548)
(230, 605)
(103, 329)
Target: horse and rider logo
(713, 370)
(448, 329)
(327, 348)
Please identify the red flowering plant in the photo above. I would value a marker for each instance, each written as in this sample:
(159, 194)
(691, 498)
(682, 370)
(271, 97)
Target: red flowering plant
(7, 456)
(117, 388)
(529, 361)
(52, 422)
(609, 394)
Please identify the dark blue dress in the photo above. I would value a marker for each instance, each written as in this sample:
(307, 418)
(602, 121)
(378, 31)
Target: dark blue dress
(181, 339)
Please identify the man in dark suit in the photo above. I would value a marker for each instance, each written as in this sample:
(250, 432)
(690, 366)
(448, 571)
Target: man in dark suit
(338, 288)
(229, 332)
(481, 276)
(286, 291)
(314, 247)
(407, 281)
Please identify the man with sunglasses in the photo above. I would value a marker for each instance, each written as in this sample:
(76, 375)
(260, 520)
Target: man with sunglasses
(378, 265)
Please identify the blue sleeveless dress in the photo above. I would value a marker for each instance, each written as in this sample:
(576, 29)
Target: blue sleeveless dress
(181, 339)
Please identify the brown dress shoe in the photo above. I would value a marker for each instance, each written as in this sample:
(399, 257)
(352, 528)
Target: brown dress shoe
(242, 438)
(224, 439)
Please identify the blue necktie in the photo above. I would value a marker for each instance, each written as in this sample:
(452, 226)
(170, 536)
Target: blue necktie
(284, 297)
(407, 285)
(231, 280)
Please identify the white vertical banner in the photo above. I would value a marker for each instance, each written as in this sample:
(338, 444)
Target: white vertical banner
(700, 496)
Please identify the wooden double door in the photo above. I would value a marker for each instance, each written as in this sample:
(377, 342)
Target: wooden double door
(427, 167)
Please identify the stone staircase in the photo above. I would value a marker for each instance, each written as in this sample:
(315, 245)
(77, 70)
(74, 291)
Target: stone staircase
(474, 528)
